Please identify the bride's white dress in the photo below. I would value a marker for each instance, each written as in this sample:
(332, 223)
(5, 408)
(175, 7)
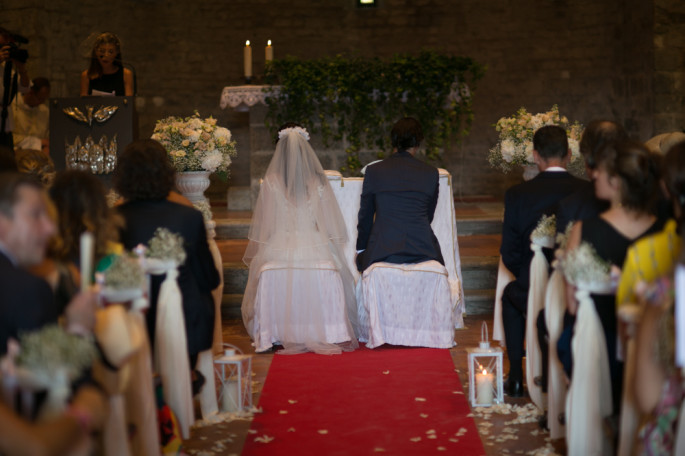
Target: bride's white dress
(300, 292)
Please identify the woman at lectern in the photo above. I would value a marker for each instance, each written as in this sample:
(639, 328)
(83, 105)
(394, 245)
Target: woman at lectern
(106, 76)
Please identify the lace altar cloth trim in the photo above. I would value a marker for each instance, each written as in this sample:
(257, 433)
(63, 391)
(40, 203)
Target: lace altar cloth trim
(248, 95)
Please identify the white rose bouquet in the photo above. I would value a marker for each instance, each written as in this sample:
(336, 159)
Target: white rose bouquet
(515, 146)
(196, 144)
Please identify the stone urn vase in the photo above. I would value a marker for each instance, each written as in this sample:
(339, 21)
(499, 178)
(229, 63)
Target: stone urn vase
(192, 184)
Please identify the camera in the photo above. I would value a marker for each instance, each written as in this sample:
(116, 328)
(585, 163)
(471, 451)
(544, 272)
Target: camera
(20, 55)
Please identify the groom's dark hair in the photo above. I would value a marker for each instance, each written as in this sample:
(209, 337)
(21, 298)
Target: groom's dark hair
(406, 133)
(551, 142)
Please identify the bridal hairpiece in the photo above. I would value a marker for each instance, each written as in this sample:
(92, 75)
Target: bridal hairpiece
(299, 130)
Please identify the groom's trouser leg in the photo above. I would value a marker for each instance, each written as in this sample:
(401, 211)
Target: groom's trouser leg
(514, 304)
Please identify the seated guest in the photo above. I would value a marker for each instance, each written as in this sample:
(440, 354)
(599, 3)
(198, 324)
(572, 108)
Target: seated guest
(106, 74)
(398, 203)
(583, 203)
(524, 205)
(627, 177)
(297, 228)
(144, 177)
(32, 117)
(26, 301)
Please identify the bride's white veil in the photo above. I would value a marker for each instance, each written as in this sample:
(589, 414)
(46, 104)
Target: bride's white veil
(297, 224)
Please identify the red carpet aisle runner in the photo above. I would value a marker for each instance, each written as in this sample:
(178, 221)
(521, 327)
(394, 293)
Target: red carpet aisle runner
(397, 401)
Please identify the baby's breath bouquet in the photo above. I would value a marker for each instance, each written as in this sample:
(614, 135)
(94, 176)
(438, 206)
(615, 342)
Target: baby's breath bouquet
(51, 349)
(545, 231)
(196, 144)
(124, 272)
(166, 245)
(584, 268)
(515, 145)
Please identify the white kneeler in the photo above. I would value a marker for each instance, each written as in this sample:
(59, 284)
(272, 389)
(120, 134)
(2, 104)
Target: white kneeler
(406, 304)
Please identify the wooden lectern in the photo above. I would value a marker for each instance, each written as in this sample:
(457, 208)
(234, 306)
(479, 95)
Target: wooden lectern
(89, 132)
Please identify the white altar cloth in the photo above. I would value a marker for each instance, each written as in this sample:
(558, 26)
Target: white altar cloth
(348, 191)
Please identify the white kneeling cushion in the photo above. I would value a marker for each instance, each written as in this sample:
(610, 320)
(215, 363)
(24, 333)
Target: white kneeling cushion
(406, 304)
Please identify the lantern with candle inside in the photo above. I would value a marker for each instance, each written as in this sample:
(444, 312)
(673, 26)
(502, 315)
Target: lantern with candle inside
(485, 373)
(234, 369)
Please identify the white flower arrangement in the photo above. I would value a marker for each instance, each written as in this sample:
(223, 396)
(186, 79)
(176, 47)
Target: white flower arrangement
(515, 146)
(299, 130)
(196, 144)
(584, 268)
(166, 245)
(545, 231)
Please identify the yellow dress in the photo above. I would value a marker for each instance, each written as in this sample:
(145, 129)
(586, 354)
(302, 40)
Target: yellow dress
(648, 259)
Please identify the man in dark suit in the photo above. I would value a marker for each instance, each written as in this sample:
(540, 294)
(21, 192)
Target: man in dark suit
(402, 192)
(144, 178)
(524, 205)
(26, 301)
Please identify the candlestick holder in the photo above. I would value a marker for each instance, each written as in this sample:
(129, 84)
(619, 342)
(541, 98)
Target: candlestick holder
(485, 373)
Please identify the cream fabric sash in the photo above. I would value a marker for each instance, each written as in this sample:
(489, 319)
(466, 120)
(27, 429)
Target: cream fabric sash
(171, 352)
(536, 302)
(555, 303)
(589, 395)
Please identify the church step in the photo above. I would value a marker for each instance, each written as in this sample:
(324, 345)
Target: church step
(237, 228)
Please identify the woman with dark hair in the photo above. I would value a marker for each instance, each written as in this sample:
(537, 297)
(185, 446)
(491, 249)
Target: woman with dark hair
(144, 178)
(627, 176)
(106, 74)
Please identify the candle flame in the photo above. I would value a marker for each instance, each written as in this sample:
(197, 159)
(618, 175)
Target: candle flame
(247, 43)
(268, 43)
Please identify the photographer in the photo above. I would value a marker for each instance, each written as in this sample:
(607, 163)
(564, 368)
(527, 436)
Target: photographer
(13, 78)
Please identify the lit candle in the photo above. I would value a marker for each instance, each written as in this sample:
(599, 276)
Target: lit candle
(230, 397)
(248, 59)
(484, 388)
(269, 52)
(87, 242)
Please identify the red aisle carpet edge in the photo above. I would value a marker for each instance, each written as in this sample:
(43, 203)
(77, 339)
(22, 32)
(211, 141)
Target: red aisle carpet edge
(388, 400)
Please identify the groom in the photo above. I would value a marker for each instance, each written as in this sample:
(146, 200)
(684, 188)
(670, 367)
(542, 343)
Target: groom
(402, 192)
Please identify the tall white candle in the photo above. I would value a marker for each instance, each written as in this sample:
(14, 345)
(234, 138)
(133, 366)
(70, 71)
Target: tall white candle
(247, 53)
(484, 388)
(230, 398)
(87, 244)
(269, 52)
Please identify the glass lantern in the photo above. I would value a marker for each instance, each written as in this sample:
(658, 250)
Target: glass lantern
(485, 373)
(234, 369)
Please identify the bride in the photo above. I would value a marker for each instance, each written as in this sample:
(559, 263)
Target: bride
(300, 293)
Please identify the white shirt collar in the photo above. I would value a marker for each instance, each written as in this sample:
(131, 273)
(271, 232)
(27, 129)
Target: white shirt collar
(555, 169)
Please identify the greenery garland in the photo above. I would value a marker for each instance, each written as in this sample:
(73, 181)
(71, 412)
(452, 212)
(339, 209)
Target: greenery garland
(357, 99)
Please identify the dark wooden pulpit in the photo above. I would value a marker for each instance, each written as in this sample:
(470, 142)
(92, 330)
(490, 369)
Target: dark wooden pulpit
(88, 133)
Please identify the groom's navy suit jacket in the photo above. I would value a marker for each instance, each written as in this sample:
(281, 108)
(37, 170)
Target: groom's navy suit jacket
(402, 192)
(524, 205)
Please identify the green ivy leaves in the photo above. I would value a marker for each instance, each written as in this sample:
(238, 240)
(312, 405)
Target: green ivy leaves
(357, 100)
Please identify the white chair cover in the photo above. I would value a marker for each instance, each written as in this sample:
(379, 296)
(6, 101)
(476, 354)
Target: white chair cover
(504, 276)
(171, 352)
(536, 302)
(348, 193)
(589, 395)
(555, 304)
(319, 285)
(406, 304)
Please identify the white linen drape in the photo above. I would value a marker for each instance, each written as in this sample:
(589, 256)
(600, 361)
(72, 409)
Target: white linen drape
(536, 301)
(555, 304)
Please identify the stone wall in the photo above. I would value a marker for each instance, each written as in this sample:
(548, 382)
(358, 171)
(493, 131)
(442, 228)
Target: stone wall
(592, 58)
